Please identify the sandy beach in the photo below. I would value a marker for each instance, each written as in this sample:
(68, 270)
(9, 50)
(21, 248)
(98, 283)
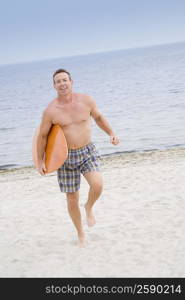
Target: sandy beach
(140, 221)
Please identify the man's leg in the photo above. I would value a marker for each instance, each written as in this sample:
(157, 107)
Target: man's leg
(74, 212)
(95, 182)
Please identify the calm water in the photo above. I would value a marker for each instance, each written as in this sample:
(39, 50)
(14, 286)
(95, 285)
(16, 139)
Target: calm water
(140, 91)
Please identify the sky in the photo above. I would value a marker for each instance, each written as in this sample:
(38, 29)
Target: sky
(33, 30)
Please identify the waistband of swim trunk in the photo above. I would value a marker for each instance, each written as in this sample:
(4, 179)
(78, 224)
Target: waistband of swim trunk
(90, 145)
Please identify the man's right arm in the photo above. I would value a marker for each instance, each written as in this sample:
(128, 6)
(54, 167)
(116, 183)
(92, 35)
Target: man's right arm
(45, 126)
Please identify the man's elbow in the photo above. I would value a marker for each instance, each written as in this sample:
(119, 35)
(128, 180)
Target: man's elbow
(42, 136)
(98, 118)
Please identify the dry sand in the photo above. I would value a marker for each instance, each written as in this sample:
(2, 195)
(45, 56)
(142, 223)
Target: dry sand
(140, 221)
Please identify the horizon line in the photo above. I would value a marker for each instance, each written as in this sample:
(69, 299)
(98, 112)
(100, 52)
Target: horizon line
(89, 53)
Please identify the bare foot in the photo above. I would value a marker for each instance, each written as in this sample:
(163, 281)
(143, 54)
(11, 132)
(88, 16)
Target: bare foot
(89, 216)
(81, 240)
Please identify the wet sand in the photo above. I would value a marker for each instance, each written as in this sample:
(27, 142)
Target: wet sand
(140, 221)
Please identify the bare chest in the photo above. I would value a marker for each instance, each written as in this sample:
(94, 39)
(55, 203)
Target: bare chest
(71, 114)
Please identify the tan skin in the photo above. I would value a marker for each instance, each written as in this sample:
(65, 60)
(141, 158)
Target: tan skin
(73, 111)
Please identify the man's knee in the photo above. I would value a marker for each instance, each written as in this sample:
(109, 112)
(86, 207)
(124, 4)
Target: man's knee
(97, 186)
(72, 198)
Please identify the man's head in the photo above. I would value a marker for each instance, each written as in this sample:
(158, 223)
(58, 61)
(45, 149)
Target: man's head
(61, 71)
(62, 82)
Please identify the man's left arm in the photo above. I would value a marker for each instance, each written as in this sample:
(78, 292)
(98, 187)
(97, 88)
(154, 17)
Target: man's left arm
(103, 123)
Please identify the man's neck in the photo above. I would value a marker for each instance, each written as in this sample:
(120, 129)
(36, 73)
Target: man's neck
(65, 98)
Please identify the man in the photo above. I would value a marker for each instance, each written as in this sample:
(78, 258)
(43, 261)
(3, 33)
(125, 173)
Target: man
(73, 111)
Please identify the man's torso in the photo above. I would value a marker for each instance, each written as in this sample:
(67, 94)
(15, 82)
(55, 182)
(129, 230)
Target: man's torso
(74, 118)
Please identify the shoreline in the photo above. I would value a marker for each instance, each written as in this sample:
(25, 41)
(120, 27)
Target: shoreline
(104, 157)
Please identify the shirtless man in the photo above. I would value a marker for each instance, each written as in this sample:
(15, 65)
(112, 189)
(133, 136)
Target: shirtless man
(73, 111)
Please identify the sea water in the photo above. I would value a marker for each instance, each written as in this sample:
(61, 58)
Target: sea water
(140, 91)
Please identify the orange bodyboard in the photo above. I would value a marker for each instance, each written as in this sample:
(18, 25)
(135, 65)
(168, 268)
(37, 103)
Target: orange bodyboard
(56, 151)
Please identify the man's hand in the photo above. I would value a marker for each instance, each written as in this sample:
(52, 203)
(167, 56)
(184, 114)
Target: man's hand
(42, 168)
(114, 140)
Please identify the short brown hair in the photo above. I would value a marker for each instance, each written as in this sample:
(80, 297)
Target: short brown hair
(61, 71)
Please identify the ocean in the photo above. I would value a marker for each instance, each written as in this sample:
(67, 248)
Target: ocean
(140, 91)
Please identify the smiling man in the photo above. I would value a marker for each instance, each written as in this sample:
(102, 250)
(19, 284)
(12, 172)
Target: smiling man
(73, 111)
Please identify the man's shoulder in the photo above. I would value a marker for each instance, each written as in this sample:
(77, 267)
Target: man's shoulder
(80, 95)
(85, 98)
(51, 104)
(49, 108)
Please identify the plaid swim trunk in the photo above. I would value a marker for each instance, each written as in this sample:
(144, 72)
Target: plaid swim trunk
(82, 160)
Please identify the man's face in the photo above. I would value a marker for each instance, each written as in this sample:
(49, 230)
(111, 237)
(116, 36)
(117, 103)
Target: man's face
(62, 84)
